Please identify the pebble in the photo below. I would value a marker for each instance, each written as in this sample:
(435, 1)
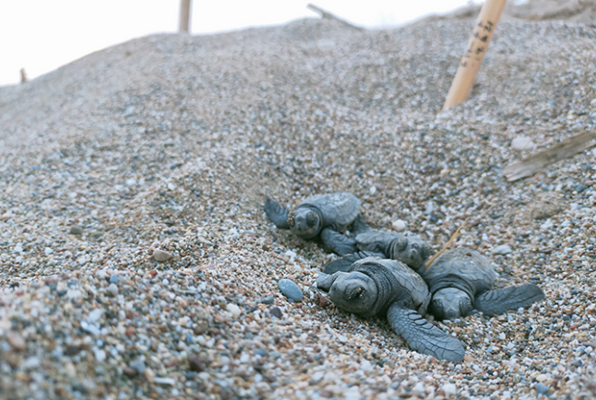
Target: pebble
(276, 312)
(112, 289)
(234, 309)
(449, 388)
(161, 255)
(267, 300)
(76, 230)
(289, 289)
(399, 225)
(541, 388)
(502, 250)
(16, 340)
(138, 365)
(114, 279)
(522, 143)
(195, 364)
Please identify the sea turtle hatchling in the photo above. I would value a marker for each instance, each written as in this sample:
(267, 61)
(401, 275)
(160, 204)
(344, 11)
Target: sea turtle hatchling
(408, 247)
(326, 215)
(461, 280)
(374, 286)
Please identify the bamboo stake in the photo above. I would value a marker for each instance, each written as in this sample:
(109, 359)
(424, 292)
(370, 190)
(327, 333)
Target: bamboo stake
(184, 25)
(472, 57)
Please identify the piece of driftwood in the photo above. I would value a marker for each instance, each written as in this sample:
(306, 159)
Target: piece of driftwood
(23, 76)
(536, 162)
(328, 15)
(472, 57)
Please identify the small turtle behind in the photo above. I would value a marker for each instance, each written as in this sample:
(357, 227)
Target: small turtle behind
(405, 247)
(373, 286)
(326, 215)
(461, 280)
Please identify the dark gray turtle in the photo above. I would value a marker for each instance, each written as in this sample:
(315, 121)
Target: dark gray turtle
(326, 215)
(373, 286)
(461, 280)
(407, 247)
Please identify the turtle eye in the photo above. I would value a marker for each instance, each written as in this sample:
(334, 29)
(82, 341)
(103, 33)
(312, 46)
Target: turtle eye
(311, 219)
(402, 243)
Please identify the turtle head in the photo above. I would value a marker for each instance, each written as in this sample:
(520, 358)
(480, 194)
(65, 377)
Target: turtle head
(305, 222)
(354, 291)
(450, 303)
(411, 250)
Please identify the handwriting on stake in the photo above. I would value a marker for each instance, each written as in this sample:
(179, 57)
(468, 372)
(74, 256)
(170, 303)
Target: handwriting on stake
(475, 50)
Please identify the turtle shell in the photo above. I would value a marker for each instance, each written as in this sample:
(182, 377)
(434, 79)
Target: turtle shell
(338, 209)
(462, 268)
(395, 282)
(375, 240)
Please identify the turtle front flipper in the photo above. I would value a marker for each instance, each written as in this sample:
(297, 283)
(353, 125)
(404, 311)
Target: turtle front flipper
(495, 302)
(338, 243)
(423, 336)
(344, 263)
(277, 214)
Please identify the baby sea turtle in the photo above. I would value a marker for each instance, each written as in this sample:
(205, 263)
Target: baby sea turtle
(406, 247)
(461, 280)
(374, 286)
(326, 215)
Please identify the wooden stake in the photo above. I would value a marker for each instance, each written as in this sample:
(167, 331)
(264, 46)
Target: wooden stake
(472, 57)
(23, 76)
(184, 25)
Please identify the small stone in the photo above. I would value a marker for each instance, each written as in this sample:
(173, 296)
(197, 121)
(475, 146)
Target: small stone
(161, 256)
(449, 388)
(502, 250)
(129, 371)
(276, 312)
(323, 301)
(100, 355)
(267, 300)
(16, 340)
(399, 225)
(112, 289)
(522, 143)
(290, 290)
(164, 381)
(76, 230)
(114, 279)
(195, 364)
(149, 375)
(138, 365)
(95, 315)
(234, 309)
(129, 331)
(101, 274)
(541, 378)
(316, 378)
(541, 388)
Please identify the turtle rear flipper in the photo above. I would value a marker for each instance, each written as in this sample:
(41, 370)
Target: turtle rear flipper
(423, 336)
(344, 263)
(495, 302)
(277, 214)
(338, 243)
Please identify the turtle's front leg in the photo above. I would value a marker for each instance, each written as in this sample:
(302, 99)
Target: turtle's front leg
(338, 243)
(277, 214)
(423, 336)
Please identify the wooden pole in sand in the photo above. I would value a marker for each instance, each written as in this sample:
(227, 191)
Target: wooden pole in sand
(184, 25)
(472, 57)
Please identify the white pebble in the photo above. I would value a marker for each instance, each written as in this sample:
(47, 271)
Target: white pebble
(234, 309)
(161, 256)
(449, 388)
(522, 143)
(399, 225)
(502, 250)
